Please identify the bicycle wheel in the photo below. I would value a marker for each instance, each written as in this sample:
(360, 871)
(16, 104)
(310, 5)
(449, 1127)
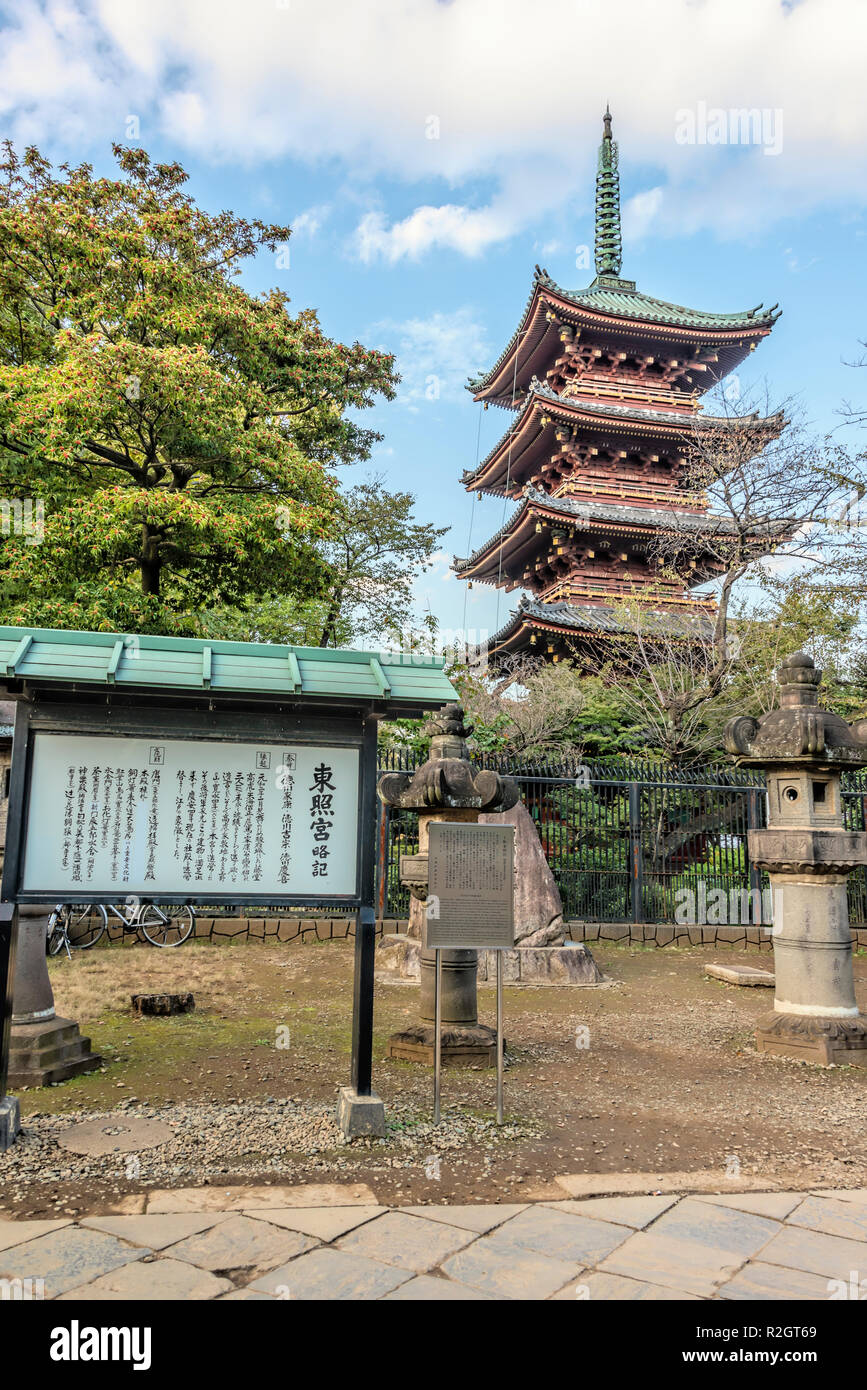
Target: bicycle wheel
(168, 926)
(82, 923)
(56, 935)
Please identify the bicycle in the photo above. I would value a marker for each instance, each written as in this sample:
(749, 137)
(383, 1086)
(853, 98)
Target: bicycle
(81, 926)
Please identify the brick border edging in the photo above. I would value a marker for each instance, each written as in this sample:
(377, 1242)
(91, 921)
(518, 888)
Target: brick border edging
(223, 930)
(673, 934)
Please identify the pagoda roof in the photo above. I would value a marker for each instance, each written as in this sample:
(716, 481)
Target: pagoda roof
(615, 307)
(594, 515)
(592, 621)
(589, 412)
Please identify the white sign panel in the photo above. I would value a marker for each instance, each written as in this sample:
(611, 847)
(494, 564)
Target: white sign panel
(151, 816)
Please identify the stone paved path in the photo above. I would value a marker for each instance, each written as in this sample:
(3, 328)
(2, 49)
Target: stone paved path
(336, 1242)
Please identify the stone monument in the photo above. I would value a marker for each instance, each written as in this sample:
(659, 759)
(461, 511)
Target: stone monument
(445, 788)
(808, 856)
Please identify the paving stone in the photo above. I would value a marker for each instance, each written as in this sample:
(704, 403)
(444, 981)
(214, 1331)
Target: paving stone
(508, 1271)
(636, 1212)
(156, 1232)
(480, 1218)
(604, 1287)
(18, 1232)
(612, 1184)
(833, 1218)
(762, 1281)
(561, 1236)
(409, 1242)
(260, 1198)
(245, 1295)
(723, 1228)
(844, 1194)
(424, 1289)
(324, 1223)
(160, 1280)
(67, 1258)
(241, 1242)
(690, 1265)
(813, 1252)
(331, 1274)
(776, 1205)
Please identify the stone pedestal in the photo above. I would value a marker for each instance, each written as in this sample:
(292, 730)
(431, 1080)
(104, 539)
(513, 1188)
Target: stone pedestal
(570, 965)
(808, 855)
(43, 1048)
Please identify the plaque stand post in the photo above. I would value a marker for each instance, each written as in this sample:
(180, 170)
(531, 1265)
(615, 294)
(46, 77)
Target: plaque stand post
(499, 1037)
(438, 1044)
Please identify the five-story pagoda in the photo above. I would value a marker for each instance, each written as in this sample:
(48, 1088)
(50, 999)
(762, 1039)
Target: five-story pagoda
(606, 383)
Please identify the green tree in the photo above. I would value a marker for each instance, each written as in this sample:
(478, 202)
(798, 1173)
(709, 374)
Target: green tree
(374, 552)
(180, 432)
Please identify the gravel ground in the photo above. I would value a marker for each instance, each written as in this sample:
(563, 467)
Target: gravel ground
(242, 1139)
(656, 1073)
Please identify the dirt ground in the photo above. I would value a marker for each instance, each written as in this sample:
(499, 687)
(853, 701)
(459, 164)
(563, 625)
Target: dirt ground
(654, 1072)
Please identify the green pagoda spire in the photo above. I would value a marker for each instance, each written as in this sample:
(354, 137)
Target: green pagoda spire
(608, 246)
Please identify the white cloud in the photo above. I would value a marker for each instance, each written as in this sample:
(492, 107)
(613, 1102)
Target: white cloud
(309, 222)
(434, 354)
(360, 83)
(449, 227)
(640, 213)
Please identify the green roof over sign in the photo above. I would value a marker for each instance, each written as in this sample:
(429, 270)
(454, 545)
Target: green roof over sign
(187, 666)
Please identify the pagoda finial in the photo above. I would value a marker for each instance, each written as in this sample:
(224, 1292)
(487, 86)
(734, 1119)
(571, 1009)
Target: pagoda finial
(608, 245)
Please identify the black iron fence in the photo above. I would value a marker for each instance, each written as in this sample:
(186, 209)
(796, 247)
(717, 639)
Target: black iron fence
(634, 841)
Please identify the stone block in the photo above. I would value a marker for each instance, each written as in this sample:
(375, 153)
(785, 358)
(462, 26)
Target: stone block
(740, 975)
(360, 1116)
(229, 928)
(615, 931)
(161, 1005)
(399, 956)
(256, 928)
(288, 929)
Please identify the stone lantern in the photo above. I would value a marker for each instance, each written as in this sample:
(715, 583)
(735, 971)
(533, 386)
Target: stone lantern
(445, 788)
(808, 856)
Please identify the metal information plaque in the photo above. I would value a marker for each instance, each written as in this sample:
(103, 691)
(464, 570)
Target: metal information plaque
(470, 887)
(156, 816)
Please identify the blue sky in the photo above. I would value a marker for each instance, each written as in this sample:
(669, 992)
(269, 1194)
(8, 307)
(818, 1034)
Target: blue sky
(429, 154)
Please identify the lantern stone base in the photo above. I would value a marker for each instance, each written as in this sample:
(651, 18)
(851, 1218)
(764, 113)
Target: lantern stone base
(840, 1042)
(52, 1050)
(472, 1046)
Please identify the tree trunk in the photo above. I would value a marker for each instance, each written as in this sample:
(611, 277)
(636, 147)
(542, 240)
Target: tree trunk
(149, 562)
